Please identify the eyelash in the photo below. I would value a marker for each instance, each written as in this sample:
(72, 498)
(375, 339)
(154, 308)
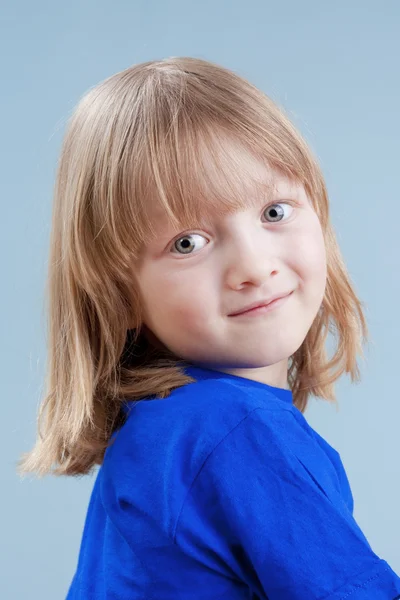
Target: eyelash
(188, 233)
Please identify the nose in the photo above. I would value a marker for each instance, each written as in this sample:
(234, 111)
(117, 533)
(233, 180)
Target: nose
(249, 261)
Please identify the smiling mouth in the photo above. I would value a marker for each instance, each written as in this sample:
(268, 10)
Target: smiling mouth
(260, 305)
(265, 308)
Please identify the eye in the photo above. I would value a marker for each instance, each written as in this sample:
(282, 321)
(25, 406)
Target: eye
(277, 213)
(186, 243)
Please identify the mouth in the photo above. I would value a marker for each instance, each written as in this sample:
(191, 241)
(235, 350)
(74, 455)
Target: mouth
(262, 308)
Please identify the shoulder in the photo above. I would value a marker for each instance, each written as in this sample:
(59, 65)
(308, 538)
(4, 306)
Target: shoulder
(158, 453)
(210, 404)
(197, 414)
(178, 433)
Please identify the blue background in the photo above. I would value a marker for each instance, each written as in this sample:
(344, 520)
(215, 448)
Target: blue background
(334, 66)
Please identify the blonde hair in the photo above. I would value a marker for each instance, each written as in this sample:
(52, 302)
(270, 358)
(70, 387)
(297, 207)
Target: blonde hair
(142, 134)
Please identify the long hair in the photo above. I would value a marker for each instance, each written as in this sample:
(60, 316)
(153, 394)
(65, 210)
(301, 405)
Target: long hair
(146, 135)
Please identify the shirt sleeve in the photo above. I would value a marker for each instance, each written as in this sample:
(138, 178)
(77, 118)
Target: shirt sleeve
(258, 506)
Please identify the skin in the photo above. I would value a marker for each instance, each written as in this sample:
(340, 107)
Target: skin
(231, 262)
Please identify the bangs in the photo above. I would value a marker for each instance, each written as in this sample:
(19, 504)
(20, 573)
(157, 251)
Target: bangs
(201, 175)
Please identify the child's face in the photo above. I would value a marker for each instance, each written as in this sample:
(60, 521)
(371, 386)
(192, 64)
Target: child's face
(191, 281)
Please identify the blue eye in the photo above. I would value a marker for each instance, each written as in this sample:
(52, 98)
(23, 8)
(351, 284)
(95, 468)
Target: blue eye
(185, 243)
(277, 214)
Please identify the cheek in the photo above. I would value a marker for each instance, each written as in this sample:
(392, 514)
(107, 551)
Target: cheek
(308, 250)
(170, 297)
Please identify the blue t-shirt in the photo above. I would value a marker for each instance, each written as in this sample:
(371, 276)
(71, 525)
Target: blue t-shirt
(222, 491)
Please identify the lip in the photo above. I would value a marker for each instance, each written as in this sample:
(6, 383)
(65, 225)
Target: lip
(260, 303)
